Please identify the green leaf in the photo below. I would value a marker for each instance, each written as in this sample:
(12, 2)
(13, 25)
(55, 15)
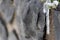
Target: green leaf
(59, 0)
(51, 0)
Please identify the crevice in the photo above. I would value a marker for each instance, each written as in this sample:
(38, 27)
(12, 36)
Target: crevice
(45, 29)
(16, 35)
(4, 24)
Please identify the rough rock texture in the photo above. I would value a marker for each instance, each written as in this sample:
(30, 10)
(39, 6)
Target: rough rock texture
(30, 19)
(57, 22)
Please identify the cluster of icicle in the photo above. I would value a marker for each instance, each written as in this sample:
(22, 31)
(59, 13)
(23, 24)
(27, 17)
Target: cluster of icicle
(47, 5)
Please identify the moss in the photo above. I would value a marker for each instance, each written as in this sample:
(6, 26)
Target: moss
(59, 0)
(51, 0)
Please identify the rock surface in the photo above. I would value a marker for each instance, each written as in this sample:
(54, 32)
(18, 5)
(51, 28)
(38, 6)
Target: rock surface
(30, 19)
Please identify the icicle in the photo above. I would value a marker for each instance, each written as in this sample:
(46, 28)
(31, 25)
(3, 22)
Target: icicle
(46, 10)
(47, 22)
(47, 5)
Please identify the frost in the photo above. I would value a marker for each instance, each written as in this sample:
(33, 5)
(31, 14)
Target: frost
(55, 2)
